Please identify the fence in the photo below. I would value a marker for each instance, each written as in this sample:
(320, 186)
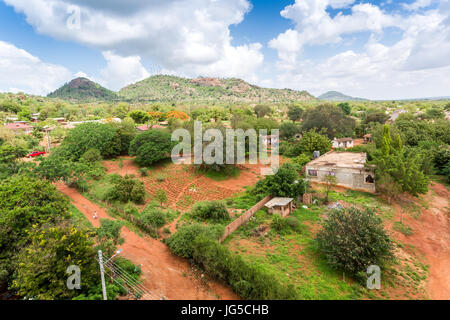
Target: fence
(232, 227)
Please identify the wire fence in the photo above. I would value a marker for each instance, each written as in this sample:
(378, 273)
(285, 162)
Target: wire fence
(128, 281)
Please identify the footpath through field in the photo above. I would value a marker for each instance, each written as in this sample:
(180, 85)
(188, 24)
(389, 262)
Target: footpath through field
(163, 273)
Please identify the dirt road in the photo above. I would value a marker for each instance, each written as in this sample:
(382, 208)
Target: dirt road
(431, 237)
(163, 273)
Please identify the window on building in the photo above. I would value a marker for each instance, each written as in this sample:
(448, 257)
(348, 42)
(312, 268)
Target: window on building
(312, 173)
(369, 179)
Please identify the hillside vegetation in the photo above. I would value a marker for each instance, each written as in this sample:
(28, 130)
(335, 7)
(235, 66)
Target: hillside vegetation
(177, 89)
(338, 96)
(82, 89)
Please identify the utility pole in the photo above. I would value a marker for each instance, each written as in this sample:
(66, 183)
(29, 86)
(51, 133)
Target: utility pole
(102, 273)
(48, 142)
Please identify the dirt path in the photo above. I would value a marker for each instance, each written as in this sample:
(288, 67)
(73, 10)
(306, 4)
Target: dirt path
(163, 273)
(431, 236)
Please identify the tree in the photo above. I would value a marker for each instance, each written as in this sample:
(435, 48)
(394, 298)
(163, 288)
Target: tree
(404, 169)
(125, 189)
(330, 182)
(387, 141)
(25, 202)
(285, 183)
(161, 196)
(139, 116)
(262, 110)
(331, 119)
(295, 113)
(41, 271)
(310, 142)
(89, 136)
(375, 116)
(345, 107)
(289, 130)
(151, 146)
(179, 115)
(352, 240)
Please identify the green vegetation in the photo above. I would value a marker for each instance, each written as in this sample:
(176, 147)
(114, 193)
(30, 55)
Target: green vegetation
(215, 211)
(151, 146)
(83, 90)
(175, 89)
(352, 240)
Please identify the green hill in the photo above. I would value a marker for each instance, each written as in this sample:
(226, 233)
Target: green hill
(337, 96)
(177, 89)
(83, 90)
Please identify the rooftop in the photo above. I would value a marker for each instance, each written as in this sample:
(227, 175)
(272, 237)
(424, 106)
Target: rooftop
(278, 202)
(18, 125)
(340, 159)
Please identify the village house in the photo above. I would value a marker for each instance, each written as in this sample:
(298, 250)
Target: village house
(19, 126)
(344, 143)
(281, 206)
(348, 168)
(368, 138)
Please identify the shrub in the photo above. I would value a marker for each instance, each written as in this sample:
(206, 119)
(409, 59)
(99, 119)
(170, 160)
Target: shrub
(284, 226)
(210, 210)
(154, 217)
(161, 196)
(246, 279)
(352, 240)
(143, 172)
(126, 189)
(180, 243)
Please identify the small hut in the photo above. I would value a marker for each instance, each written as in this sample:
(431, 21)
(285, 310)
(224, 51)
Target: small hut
(281, 206)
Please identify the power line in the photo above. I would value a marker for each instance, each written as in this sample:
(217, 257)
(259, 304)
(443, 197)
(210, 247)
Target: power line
(138, 290)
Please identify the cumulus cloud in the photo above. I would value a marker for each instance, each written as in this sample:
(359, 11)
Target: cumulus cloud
(416, 5)
(121, 71)
(188, 36)
(403, 69)
(21, 71)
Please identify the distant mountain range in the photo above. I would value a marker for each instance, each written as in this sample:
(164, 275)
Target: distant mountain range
(338, 96)
(82, 90)
(176, 89)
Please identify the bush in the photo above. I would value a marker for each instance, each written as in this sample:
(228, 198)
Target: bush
(91, 156)
(143, 172)
(126, 189)
(302, 159)
(154, 217)
(284, 226)
(246, 279)
(352, 240)
(180, 243)
(210, 210)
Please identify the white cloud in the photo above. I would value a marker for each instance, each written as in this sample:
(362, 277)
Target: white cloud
(121, 71)
(186, 36)
(416, 65)
(416, 5)
(21, 71)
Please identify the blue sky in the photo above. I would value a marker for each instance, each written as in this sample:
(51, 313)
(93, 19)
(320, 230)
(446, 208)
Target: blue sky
(376, 49)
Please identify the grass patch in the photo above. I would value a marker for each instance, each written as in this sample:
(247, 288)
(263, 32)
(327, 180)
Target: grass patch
(231, 172)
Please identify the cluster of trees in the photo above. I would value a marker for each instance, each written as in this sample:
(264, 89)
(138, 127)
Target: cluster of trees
(39, 241)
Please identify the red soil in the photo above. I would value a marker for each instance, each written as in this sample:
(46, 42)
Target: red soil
(431, 236)
(163, 274)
